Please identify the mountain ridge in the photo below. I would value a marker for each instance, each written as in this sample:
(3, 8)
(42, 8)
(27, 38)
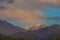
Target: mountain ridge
(42, 33)
(9, 29)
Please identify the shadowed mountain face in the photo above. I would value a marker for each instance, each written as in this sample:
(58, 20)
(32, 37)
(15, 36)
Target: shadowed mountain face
(9, 29)
(42, 33)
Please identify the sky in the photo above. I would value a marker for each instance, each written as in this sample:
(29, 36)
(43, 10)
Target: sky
(29, 12)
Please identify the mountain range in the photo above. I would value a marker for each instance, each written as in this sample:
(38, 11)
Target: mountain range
(42, 31)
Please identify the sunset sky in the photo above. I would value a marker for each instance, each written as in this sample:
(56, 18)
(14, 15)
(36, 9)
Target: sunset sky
(29, 12)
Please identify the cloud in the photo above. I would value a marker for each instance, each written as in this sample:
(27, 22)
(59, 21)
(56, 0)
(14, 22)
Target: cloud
(32, 4)
(2, 0)
(50, 1)
(28, 5)
(20, 15)
(24, 11)
(21, 11)
(11, 13)
(10, 1)
(2, 7)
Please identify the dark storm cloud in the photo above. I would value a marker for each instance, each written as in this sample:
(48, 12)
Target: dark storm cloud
(10, 1)
(2, 0)
(2, 7)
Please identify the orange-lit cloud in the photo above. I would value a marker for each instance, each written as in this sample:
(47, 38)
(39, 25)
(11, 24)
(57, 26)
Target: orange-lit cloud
(20, 15)
(24, 10)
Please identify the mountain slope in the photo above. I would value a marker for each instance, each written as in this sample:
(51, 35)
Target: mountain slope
(42, 33)
(8, 29)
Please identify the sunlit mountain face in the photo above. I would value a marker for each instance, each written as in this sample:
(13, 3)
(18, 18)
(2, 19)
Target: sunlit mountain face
(35, 27)
(30, 12)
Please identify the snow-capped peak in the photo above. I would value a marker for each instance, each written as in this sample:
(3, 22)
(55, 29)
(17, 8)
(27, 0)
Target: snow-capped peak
(35, 27)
